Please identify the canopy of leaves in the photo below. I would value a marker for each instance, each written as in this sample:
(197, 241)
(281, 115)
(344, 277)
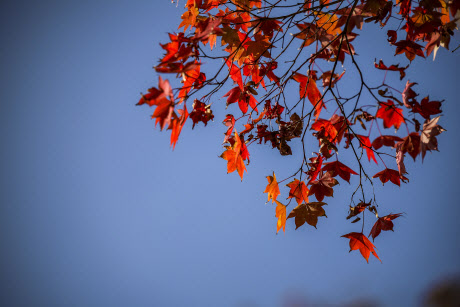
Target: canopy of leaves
(255, 63)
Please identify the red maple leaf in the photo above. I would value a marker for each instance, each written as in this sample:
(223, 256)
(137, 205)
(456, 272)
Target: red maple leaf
(366, 144)
(157, 96)
(229, 121)
(391, 175)
(323, 186)
(234, 156)
(307, 87)
(315, 166)
(244, 99)
(330, 132)
(383, 223)
(426, 108)
(299, 191)
(385, 140)
(201, 113)
(391, 115)
(396, 67)
(235, 74)
(410, 48)
(411, 145)
(359, 241)
(177, 124)
(338, 168)
(163, 113)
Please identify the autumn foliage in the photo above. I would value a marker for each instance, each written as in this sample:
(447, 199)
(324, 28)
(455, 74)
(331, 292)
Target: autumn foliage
(264, 53)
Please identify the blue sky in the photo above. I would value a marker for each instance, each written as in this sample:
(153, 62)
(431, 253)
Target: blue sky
(96, 209)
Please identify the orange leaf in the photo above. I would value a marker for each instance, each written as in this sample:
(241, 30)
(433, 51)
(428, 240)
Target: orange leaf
(234, 158)
(330, 132)
(359, 241)
(307, 87)
(272, 188)
(298, 190)
(280, 213)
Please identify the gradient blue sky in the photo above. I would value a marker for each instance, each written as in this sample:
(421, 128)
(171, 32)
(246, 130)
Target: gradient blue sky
(96, 209)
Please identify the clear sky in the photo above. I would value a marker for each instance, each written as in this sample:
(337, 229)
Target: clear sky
(96, 209)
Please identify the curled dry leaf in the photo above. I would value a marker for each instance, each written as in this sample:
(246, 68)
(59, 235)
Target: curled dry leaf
(428, 140)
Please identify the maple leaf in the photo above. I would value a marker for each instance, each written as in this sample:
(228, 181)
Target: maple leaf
(366, 144)
(383, 223)
(391, 115)
(359, 241)
(189, 18)
(299, 191)
(385, 140)
(410, 49)
(177, 124)
(201, 113)
(426, 108)
(234, 158)
(272, 188)
(175, 49)
(233, 95)
(327, 76)
(280, 213)
(323, 186)
(401, 70)
(230, 37)
(315, 166)
(244, 99)
(229, 121)
(391, 175)
(411, 144)
(235, 74)
(191, 78)
(354, 211)
(338, 168)
(163, 113)
(267, 26)
(272, 112)
(352, 17)
(157, 96)
(307, 87)
(330, 132)
(258, 47)
(428, 139)
(307, 212)
(400, 159)
(207, 30)
(408, 95)
(340, 124)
